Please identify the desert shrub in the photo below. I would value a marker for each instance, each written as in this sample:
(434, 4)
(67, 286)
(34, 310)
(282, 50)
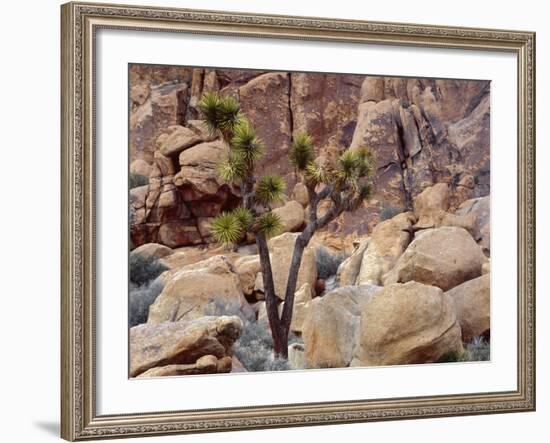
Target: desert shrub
(388, 211)
(327, 263)
(137, 180)
(144, 268)
(254, 348)
(451, 357)
(141, 297)
(478, 349)
(220, 306)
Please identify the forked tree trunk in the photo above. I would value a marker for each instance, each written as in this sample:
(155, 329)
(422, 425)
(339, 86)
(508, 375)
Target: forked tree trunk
(280, 339)
(280, 326)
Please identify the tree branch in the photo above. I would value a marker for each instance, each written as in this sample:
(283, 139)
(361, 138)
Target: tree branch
(270, 295)
(315, 198)
(301, 243)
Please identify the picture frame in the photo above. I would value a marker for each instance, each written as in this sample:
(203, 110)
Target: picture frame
(79, 400)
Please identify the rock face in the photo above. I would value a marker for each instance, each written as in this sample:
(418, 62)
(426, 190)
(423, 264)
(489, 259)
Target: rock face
(177, 139)
(183, 343)
(388, 241)
(424, 132)
(152, 250)
(480, 209)
(325, 105)
(301, 299)
(300, 194)
(473, 306)
(154, 108)
(140, 167)
(349, 269)
(207, 364)
(265, 102)
(247, 268)
(331, 325)
(291, 215)
(442, 257)
(176, 207)
(431, 205)
(282, 248)
(416, 126)
(193, 290)
(406, 324)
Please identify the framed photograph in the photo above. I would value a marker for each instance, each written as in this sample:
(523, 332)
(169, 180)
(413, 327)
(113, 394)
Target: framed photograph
(277, 221)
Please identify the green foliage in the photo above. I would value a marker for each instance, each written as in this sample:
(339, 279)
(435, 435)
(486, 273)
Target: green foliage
(245, 143)
(226, 228)
(451, 357)
(233, 169)
(354, 165)
(366, 191)
(244, 217)
(144, 268)
(301, 152)
(366, 162)
(388, 211)
(270, 189)
(348, 164)
(220, 113)
(316, 174)
(137, 180)
(269, 224)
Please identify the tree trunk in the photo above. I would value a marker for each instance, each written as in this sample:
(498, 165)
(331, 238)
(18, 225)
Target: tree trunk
(280, 326)
(286, 317)
(280, 338)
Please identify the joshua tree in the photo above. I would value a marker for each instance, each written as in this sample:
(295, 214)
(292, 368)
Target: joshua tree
(346, 184)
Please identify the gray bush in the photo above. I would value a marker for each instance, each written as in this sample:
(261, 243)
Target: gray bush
(388, 211)
(144, 268)
(137, 180)
(141, 297)
(327, 263)
(478, 349)
(254, 348)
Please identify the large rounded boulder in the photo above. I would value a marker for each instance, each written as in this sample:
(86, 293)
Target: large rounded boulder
(388, 241)
(331, 324)
(444, 257)
(407, 324)
(472, 303)
(195, 290)
(166, 346)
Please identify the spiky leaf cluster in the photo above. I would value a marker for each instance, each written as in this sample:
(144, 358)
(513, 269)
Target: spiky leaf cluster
(316, 174)
(231, 227)
(226, 228)
(245, 143)
(244, 217)
(220, 113)
(354, 165)
(269, 189)
(232, 169)
(301, 152)
(269, 224)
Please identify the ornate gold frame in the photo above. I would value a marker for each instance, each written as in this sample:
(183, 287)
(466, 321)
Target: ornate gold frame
(78, 416)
